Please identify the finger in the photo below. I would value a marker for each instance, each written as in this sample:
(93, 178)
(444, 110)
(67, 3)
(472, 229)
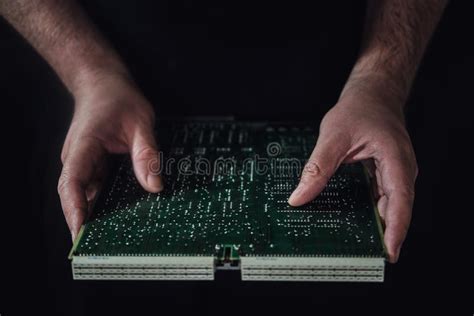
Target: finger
(382, 208)
(77, 172)
(95, 184)
(146, 159)
(369, 165)
(397, 180)
(328, 154)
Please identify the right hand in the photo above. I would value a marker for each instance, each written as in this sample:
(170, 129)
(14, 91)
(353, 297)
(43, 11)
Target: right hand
(111, 116)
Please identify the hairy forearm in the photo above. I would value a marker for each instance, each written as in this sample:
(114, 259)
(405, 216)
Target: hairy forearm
(62, 33)
(395, 37)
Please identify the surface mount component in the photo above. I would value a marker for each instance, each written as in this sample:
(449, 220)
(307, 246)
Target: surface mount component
(225, 206)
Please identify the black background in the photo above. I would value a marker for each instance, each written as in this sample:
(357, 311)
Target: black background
(271, 62)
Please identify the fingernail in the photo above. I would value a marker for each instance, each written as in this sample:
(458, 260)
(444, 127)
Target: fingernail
(294, 196)
(154, 182)
(73, 236)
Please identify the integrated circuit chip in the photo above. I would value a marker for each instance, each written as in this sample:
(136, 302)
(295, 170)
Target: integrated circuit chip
(225, 207)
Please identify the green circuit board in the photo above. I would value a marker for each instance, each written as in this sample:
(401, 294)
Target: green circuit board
(227, 183)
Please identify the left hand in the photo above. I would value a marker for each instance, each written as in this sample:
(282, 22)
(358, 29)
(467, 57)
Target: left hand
(357, 128)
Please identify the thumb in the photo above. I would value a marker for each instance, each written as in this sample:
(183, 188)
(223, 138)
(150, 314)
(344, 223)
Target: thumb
(326, 157)
(146, 159)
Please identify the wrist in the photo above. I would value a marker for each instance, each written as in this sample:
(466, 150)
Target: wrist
(89, 77)
(380, 76)
(373, 92)
(375, 88)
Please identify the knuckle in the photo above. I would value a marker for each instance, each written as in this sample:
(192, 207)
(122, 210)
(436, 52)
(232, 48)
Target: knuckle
(312, 171)
(65, 180)
(145, 153)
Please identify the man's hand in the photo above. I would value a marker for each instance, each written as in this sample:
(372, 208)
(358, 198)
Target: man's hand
(359, 128)
(367, 122)
(111, 116)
